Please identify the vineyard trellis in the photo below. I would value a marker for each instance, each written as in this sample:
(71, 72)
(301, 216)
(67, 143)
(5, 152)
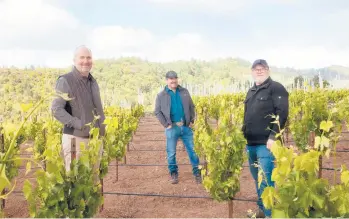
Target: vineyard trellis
(226, 136)
(162, 195)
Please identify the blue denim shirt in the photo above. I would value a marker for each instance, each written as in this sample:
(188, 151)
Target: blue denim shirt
(176, 111)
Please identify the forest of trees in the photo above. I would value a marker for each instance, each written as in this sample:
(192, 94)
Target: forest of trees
(122, 80)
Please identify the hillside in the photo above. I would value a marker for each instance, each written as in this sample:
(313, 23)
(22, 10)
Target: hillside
(122, 80)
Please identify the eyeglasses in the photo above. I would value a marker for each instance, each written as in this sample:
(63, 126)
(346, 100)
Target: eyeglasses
(260, 69)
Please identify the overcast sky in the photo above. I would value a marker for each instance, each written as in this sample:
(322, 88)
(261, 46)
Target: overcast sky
(293, 33)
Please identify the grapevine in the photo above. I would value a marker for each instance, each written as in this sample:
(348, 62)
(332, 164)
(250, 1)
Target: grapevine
(299, 192)
(222, 147)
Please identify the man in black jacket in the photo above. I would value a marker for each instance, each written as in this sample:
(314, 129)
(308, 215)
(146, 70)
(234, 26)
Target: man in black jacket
(265, 98)
(175, 110)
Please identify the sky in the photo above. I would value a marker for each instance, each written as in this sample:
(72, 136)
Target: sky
(287, 33)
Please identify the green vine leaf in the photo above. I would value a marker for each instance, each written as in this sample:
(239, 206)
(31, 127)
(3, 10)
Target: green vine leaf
(326, 125)
(28, 168)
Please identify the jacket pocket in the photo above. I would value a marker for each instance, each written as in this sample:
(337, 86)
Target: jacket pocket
(257, 129)
(264, 106)
(264, 98)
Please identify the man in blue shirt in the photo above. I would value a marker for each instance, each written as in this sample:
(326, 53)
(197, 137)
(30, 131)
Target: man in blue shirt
(175, 110)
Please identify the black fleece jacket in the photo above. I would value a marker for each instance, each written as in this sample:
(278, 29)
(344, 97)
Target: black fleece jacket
(269, 98)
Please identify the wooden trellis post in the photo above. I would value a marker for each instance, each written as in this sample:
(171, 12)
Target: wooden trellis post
(44, 133)
(102, 207)
(312, 143)
(231, 208)
(2, 150)
(205, 166)
(73, 149)
(116, 170)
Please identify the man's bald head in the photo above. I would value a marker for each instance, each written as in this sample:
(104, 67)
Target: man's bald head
(83, 60)
(80, 48)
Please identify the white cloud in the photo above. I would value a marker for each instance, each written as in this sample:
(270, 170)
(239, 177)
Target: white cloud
(34, 14)
(206, 6)
(287, 2)
(32, 24)
(119, 37)
(219, 7)
(24, 58)
(301, 57)
(116, 41)
(335, 33)
(183, 46)
(36, 32)
(113, 41)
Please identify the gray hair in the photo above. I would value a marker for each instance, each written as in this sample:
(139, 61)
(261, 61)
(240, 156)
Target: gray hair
(80, 47)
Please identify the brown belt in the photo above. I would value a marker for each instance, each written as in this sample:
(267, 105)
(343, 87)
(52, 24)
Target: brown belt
(179, 124)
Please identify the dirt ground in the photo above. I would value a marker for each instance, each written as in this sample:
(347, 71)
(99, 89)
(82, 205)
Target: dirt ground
(155, 180)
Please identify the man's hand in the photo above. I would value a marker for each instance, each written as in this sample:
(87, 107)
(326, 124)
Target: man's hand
(168, 127)
(270, 143)
(191, 125)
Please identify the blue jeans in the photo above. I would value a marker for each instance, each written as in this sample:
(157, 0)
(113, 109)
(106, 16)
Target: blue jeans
(172, 136)
(262, 156)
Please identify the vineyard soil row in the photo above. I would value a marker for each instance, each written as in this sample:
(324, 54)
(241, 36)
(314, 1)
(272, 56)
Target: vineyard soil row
(156, 180)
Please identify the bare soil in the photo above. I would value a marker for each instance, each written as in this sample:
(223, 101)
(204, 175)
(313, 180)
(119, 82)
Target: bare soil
(155, 180)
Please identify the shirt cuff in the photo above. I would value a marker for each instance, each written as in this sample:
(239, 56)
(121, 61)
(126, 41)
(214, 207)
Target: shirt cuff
(272, 136)
(77, 124)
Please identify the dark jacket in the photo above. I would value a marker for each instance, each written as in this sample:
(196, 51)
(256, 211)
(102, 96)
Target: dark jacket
(86, 102)
(163, 107)
(270, 98)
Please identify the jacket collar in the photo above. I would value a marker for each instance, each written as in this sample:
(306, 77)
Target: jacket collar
(265, 84)
(179, 88)
(79, 75)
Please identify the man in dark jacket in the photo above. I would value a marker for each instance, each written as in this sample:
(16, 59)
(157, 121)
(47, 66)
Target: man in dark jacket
(175, 110)
(85, 103)
(265, 98)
